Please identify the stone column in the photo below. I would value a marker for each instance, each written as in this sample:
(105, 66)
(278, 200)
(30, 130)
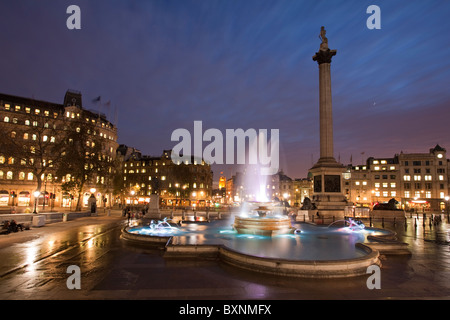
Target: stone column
(328, 197)
(323, 58)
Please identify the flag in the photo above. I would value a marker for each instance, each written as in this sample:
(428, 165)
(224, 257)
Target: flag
(351, 159)
(96, 99)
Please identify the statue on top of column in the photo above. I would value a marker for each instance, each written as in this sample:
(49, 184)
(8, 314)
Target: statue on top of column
(324, 44)
(324, 54)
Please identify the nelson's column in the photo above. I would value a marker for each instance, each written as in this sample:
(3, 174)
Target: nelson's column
(327, 172)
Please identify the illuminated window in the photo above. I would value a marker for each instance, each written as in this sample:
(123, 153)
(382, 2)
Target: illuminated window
(407, 194)
(6, 119)
(377, 184)
(439, 155)
(357, 183)
(393, 185)
(383, 162)
(441, 195)
(364, 183)
(376, 162)
(17, 108)
(9, 175)
(30, 176)
(2, 159)
(428, 178)
(417, 178)
(441, 177)
(393, 193)
(392, 168)
(377, 168)
(21, 175)
(385, 184)
(428, 194)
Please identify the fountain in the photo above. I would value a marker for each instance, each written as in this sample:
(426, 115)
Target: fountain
(159, 228)
(353, 225)
(264, 222)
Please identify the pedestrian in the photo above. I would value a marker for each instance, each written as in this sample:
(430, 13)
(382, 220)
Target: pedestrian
(128, 214)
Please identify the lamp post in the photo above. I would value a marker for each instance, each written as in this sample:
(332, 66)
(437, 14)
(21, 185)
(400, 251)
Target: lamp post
(36, 194)
(446, 206)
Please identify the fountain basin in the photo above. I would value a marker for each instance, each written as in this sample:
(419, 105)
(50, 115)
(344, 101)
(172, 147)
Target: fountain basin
(263, 226)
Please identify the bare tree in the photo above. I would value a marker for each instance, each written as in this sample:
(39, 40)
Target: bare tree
(32, 143)
(84, 158)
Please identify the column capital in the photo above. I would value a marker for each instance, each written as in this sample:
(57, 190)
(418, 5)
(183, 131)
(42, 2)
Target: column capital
(324, 56)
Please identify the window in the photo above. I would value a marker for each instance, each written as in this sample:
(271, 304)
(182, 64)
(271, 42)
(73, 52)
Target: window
(407, 194)
(17, 108)
(385, 193)
(9, 175)
(2, 159)
(441, 177)
(417, 163)
(377, 184)
(393, 185)
(21, 175)
(30, 176)
(6, 119)
(428, 178)
(441, 195)
(393, 193)
(417, 178)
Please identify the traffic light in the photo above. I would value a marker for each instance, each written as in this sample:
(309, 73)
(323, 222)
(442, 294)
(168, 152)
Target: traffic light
(13, 194)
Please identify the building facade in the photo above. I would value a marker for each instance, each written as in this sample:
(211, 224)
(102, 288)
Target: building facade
(418, 181)
(177, 184)
(39, 127)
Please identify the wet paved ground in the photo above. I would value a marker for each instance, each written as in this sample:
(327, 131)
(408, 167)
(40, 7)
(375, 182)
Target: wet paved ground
(33, 265)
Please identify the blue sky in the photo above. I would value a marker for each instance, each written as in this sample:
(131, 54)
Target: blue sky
(241, 64)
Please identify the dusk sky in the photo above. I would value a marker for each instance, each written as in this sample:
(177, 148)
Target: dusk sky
(241, 64)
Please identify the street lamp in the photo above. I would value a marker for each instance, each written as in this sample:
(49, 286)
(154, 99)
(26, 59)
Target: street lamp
(446, 205)
(36, 194)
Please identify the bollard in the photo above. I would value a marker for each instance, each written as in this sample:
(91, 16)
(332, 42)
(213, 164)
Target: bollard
(184, 214)
(220, 215)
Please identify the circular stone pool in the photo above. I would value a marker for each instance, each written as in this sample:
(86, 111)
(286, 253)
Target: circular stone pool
(315, 251)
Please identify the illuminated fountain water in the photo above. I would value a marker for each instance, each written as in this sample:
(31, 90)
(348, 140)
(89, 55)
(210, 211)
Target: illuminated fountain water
(159, 228)
(260, 219)
(350, 224)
